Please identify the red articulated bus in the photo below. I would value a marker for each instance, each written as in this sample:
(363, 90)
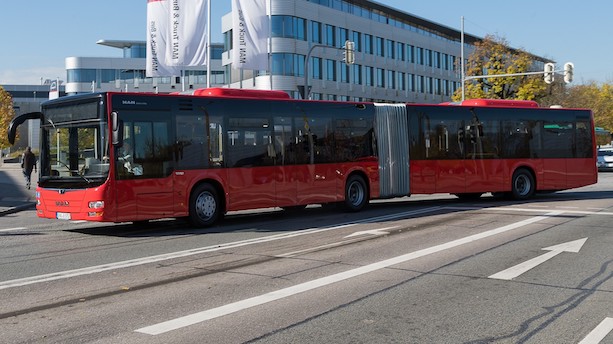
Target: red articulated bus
(135, 157)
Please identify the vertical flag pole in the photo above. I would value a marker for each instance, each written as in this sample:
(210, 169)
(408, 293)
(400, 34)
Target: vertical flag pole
(270, 42)
(208, 45)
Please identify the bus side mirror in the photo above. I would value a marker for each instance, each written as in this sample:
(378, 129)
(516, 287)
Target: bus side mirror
(117, 129)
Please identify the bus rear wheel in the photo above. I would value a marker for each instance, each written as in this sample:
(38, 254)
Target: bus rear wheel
(204, 207)
(356, 194)
(522, 184)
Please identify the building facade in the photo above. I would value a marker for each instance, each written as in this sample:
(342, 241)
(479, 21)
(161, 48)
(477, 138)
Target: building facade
(127, 73)
(27, 98)
(398, 57)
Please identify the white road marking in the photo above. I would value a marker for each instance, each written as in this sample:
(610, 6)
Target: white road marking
(167, 256)
(514, 271)
(195, 318)
(12, 229)
(376, 232)
(598, 334)
(532, 210)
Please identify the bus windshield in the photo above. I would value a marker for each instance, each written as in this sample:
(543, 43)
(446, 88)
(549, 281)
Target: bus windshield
(75, 153)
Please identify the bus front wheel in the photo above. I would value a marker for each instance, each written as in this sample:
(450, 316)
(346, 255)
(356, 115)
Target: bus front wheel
(204, 207)
(522, 185)
(356, 194)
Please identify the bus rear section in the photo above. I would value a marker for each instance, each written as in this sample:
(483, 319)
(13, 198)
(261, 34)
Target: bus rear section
(513, 150)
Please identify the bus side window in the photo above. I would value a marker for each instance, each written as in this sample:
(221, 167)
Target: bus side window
(558, 139)
(249, 140)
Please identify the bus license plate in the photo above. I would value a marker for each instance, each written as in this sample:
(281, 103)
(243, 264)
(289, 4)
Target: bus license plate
(63, 216)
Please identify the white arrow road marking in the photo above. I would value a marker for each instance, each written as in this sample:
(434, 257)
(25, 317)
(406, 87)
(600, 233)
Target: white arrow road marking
(237, 306)
(598, 334)
(512, 272)
(378, 231)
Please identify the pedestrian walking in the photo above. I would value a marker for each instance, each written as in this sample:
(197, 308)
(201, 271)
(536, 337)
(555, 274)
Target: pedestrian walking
(28, 163)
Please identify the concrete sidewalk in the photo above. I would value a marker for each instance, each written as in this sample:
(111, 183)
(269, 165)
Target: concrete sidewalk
(14, 196)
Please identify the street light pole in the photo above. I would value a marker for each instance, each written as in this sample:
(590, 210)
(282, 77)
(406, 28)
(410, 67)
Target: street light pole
(307, 91)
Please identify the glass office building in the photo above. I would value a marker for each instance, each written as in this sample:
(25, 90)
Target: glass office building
(398, 57)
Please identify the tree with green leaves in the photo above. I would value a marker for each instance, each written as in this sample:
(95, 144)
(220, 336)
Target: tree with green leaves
(6, 115)
(492, 56)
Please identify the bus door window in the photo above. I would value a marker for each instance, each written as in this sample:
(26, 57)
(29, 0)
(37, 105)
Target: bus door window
(317, 138)
(583, 140)
(282, 143)
(449, 139)
(145, 151)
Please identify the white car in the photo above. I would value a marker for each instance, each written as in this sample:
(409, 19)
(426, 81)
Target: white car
(605, 160)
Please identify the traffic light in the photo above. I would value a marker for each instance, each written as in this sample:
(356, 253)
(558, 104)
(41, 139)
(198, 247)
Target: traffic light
(349, 52)
(549, 72)
(568, 72)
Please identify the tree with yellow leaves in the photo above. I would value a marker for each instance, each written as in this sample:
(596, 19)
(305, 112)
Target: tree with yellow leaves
(593, 96)
(6, 115)
(492, 56)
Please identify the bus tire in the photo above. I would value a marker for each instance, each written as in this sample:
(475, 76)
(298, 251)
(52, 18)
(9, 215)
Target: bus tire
(356, 194)
(204, 206)
(522, 184)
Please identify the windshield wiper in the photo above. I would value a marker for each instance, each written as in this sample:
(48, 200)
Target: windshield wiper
(77, 172)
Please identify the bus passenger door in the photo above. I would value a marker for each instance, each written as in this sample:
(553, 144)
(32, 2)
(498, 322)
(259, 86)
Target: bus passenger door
(284, 144)
(315, 172)
(484, 169)
(449, 151)
(144, 170)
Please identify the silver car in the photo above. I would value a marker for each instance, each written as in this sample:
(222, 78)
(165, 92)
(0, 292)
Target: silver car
(605, 160)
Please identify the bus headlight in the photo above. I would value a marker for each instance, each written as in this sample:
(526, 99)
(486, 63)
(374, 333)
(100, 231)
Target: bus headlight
(96, 204)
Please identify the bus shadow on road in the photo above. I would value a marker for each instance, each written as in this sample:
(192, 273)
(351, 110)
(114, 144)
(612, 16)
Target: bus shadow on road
(280, 221)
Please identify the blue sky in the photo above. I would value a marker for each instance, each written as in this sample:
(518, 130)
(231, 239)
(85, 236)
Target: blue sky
(37, 35)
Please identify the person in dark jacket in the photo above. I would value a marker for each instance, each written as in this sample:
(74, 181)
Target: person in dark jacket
(28, 163)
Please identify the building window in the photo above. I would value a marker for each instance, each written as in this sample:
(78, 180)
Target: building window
(316, 68)
(344, 73)
(402, 83)
(368, 44)
(380, 46)
(380, 77)
(419, 55)
(289, 27)
(288, 64)
(343, 36)
(391, 79)
(411, 80)
(331, 70)
(331, 35)
(390, 49)
(401, 52)
(356, 74)
(411, 53)
(316, 32)
(357, 40)
(369, 76)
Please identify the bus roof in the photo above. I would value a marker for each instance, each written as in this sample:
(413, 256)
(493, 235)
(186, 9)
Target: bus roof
(496, 102)
(239, 93)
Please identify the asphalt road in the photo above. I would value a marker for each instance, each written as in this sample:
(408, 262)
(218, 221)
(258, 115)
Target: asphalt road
(427, 269)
